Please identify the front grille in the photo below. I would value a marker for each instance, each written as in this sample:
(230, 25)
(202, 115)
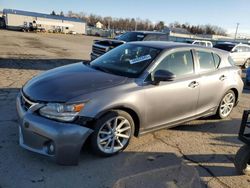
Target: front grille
(26, 103)
(99, 50)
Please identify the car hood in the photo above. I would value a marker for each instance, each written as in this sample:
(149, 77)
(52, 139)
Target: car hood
(109, 42)
(67, 82)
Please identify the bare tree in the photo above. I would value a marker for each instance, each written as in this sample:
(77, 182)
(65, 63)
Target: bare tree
(53, 13)
(159, 26)
(61, 13)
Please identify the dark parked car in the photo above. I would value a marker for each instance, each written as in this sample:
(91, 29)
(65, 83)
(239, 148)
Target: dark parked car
(102, 46)
(248, 77)
(136, 88)
(242, 157)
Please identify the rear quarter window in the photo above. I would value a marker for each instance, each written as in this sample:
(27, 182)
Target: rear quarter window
(217, 60)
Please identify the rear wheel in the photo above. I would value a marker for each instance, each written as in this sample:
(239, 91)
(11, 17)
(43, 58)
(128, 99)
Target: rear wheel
(112, 133)
(247, 64)
(226, 105)
(242, 160)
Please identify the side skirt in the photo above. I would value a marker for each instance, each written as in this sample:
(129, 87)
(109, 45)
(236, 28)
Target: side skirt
(208, 113)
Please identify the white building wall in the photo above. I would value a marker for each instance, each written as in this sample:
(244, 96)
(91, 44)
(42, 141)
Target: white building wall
(17, 21)
(78, 27)
(14, 20)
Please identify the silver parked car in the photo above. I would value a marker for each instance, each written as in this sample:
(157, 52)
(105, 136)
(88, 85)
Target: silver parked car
(240, 53)
(135, 88)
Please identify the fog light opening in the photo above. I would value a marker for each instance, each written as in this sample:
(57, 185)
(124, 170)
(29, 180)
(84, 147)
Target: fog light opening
(51, 148)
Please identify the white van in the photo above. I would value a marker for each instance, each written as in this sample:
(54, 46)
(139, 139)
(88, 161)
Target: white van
(203, 43)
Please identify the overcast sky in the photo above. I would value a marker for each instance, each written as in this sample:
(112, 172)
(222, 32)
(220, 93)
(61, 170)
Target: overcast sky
(224, 13)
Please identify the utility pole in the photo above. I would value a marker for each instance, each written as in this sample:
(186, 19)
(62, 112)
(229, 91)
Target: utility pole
(235, 36)
(109, 19)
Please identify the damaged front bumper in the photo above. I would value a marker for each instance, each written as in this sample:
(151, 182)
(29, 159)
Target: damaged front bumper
(60, 141)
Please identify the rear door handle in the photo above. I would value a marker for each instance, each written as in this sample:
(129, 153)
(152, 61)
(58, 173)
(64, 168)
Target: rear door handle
(223, 77)
(193, 84)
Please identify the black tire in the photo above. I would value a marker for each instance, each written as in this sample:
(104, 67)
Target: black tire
(242, 160)
(99, 125)
(219, 115)
(247, 64)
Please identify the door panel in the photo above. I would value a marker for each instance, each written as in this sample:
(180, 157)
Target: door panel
(171, 101)
(212, 81)
(212, 88)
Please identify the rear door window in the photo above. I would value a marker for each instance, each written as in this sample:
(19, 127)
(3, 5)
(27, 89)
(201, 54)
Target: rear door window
(206, 61)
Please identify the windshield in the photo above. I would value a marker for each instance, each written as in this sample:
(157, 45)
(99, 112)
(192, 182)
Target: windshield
(227, 47)
(131, 36)
(128, 60)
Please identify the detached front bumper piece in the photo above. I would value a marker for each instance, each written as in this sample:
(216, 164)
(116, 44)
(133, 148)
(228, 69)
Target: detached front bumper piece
(60, 141)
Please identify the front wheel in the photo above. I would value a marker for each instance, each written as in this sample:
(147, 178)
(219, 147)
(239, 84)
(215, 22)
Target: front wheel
(226, 105)
(242, 160)
(112, 133)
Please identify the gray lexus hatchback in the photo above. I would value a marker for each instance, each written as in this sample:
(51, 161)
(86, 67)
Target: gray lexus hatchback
(135, 88)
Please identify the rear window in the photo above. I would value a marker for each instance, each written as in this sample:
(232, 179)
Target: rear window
(156, 37)
(150, 37)
(131, 36)
(226, 47)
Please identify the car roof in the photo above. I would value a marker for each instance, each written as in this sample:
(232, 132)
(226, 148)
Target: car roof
(242, 45)
(227, 43)
(231, 44)
(148, 32)
(171, 45)
(201, 41)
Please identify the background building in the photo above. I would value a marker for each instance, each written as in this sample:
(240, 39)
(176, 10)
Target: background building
(99, 25)
(18, 20)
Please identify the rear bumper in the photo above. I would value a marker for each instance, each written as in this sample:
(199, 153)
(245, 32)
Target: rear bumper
(60, 141)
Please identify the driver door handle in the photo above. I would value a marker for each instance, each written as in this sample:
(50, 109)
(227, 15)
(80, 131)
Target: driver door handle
(193, 84)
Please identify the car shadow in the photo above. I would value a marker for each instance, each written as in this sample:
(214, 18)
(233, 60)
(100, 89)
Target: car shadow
(211, 125)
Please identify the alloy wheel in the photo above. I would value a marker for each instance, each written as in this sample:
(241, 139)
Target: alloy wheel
(227, 104)
(114, 135)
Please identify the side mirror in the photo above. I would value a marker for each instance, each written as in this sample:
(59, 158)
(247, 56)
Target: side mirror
(163, 75)
(233, 51)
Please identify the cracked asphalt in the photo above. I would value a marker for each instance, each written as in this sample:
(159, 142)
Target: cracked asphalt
(207, 144)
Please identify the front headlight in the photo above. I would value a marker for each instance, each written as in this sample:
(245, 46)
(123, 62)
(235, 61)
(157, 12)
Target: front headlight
(61, 112)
